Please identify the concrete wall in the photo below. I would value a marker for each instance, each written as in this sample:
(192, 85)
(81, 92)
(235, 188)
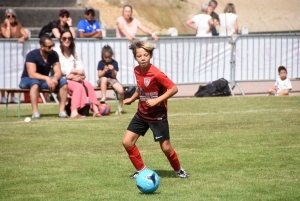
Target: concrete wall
(33, 17)
(38, 3)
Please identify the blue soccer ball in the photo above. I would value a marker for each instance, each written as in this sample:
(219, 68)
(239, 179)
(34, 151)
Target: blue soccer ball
(147, 181)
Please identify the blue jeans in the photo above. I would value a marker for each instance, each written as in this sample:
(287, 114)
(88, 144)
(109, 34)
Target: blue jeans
(27, 83)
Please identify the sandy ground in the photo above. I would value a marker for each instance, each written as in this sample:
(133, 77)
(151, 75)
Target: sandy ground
(158, 15)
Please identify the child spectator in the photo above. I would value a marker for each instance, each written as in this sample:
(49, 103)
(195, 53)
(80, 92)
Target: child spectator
(153, 90)
(283, 85)
(107, 73)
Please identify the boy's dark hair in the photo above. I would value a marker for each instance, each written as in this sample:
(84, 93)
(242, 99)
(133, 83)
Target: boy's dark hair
(280, 68)
(44, 38)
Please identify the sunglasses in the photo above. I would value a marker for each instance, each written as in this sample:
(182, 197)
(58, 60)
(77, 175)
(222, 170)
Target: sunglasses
(64, 16)
(10, 16)
(49, 47)
(66, 38)
(90, 13)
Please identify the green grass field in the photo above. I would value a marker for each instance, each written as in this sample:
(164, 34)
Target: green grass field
(234, 148)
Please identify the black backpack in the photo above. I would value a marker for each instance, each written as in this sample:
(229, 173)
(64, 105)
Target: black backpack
(129, 91)
(47, 29)
(216, 88)
(222, 87)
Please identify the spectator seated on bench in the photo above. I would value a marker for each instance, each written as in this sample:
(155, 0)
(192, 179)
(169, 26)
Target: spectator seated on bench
(81, 91)
(37, 67)
(107, 73)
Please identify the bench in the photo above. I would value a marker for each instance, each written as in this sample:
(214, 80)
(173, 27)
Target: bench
(20, 91)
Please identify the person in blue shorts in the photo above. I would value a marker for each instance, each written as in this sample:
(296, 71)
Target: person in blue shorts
(35, 76)
(89, 27)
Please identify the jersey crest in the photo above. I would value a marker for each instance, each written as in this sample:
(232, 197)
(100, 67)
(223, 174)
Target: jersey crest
(147, 81)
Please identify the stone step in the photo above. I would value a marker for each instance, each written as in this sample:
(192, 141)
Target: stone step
(37, 3)
(40, 16)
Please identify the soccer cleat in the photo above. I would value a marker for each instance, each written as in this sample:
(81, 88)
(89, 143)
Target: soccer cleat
(134, 175)
(36, 115)
(182, 174)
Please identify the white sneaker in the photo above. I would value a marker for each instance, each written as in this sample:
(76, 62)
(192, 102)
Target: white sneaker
(63, 114)
(3, 100)
(36, 115)
(14, 100)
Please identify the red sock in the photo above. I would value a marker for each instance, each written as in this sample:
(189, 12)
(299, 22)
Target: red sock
(174, 161)
(135, 157)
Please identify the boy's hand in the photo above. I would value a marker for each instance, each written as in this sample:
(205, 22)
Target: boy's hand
(128, 101)
(151, 102)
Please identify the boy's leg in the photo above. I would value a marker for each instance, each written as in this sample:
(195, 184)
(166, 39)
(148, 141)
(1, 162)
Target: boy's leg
(170, 154)
(161, 134)
(129, 140)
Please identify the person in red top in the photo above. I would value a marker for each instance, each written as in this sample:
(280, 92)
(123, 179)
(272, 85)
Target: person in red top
(153, 90)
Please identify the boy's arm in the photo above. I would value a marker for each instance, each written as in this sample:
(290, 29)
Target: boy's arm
(130, 100)
(168, 94)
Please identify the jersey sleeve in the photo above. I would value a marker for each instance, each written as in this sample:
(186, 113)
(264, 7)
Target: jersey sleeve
(98, 27)
(80, 26)
(164, 80)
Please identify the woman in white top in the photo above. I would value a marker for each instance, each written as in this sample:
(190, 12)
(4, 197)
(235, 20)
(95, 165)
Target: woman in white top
(202, 23)
(127, 26)
(72, 70)
(228, 21)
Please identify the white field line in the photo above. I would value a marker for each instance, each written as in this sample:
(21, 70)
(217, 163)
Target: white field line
(170, 115)
(230, 112)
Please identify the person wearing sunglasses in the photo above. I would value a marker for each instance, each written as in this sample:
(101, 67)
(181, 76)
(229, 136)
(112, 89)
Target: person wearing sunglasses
(10, 28)
(64, 22)
(35, 76)
(89, 27)
(72, 70)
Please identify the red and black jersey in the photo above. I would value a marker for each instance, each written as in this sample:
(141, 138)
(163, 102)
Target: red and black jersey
(152, 84)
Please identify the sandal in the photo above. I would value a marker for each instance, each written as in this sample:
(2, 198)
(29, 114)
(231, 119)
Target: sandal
(97, 115)
(102, 101)
(78, 116)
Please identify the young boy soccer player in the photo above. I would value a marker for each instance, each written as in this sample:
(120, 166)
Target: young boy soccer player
(153, 90)
(283, 85)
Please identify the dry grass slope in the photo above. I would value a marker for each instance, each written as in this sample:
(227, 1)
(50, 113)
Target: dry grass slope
(159, 15)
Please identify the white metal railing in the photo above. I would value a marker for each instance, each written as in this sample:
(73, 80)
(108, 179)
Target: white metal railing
(186, 60)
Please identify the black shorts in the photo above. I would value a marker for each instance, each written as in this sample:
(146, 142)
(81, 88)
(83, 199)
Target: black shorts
(160, 130)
